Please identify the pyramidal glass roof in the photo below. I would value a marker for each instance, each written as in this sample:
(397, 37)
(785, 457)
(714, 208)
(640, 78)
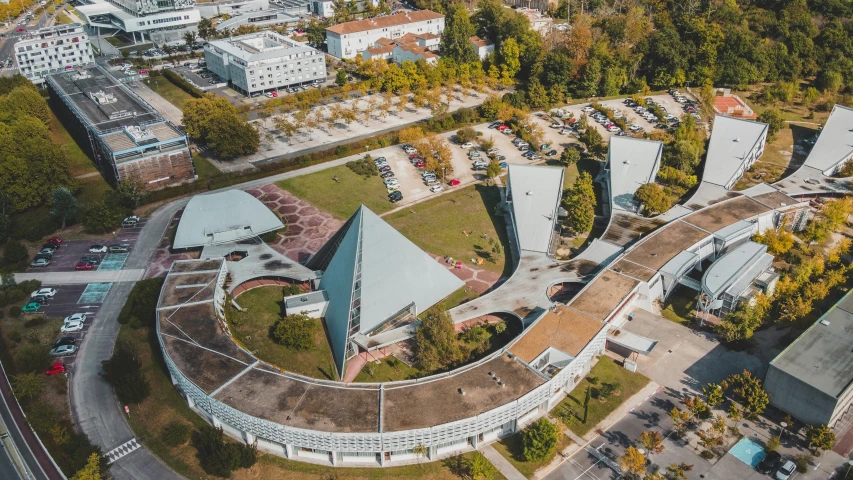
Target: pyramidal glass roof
(374, 274)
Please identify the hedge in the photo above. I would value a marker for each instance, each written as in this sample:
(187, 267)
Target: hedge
(182, 83)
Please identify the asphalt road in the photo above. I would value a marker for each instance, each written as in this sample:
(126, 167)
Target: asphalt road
(7, 47)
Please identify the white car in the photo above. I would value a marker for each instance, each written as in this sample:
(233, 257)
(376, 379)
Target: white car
(47, 292)
(492, 150)
(785, 471)
(436, 188)
(467, 145)
(71, 327)
(75, 317)
(588, 108)
(98, 249)
(393, 182)
(614, 129)
(556, 125)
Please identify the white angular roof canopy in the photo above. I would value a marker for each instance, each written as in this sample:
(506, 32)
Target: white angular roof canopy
(536, 192)
(633, 163)
(731, 139)
(835, 143)
(224, 217)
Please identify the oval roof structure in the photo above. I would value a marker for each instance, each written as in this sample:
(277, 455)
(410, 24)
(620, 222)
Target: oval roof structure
(222, 218)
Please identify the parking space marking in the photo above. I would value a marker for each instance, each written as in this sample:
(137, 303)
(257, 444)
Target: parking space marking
(95, 293)
(113, 261)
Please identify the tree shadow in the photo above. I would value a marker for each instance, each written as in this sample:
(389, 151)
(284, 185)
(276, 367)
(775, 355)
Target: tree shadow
(617, 438)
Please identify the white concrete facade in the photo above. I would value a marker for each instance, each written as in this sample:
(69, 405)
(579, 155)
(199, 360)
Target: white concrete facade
(265, 61)
(349, 39)
(51, 50)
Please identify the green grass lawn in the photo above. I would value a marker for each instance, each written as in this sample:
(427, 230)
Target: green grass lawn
(680, 306)
(343, 197)
(117, 41)
(262, 307)
(573, 171)
(63, 19)
(512, 449)
(571, 409)
(80, 162)
(203, 168)
(437, 226)
(388, 370)
(168, 90)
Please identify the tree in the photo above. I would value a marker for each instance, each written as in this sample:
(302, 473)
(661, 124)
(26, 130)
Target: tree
(778, 242)
(15, 255)
(479, 468)
(593, 140)
(218, 457)
(633, 463)
(205, 27)
(678, 471)
(65, 206)
(569, 157)
(773, 444)
(820, 439)
(124, 372)
(652, 441)
(102, 216)
(466, 134)
(579, 202)
(774, 122)
(679, 420)
(714, 393)
(435, 342)
(24, 101)
(316, 32)
(131, 191)
(456, 38)
(27, 386)
(494, 169)
(539, 440)
(748, 392)
(537, 96)
(653, 199)
(32, 358)
(294, 331)
(190, 39)
(741, 323)
(509, 61)
(92, 470)
(230, 136)
(341, 77)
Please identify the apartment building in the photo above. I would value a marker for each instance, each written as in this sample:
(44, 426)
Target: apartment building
(346, 40)
(51, 50)
(264, 62)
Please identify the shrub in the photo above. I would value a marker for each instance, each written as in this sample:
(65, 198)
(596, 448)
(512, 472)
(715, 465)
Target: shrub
(14, 334)
(291, 290)
(175, 434)
(15, 311)
(707, 454)
(364, 167)
(219, 458)
(35, 322)
(539, 440)
(294, 331)
(124, 372)
(181, 83)
(15, 255)
(773, 444)
(803, 461)
(32, 358)
(141, 304)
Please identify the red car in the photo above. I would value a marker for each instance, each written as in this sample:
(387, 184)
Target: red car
(55, 241)
(274, 94)
(420, 164)
(454, 182)
(55, 369)
(143, 72)
(84, 266)
(414, 156)
(20, 29)
(501, 128)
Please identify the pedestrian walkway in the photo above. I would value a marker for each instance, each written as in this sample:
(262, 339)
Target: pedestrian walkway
(122, 450)
(77, 278)
(501, 463)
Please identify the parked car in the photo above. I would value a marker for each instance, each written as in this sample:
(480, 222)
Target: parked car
(392, 188)
(119, 248)
(63, 351)
(551, 153)
(420, 164)
(436, 188)
(46, 291)
(75, 317)
(500, 158)
(454, 182)
(588, 108)
(467, 145)
(40, 262)
(39, 299)
(391, 181)
(495, 124)
(84, 266)
(64, 341)
(395, 197)
(94, 259)
(386, 174)
(71, 327)
(55, 369)
(98, 249)
(785, 471)
(31, 307)
(769, 463)
(492, 151)
(46, 251)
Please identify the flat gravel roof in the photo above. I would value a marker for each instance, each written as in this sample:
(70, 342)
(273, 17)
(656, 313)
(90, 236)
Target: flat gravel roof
(663, 245)
(565, 329)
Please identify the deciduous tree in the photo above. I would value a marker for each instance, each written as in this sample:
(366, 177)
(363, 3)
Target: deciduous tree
(63, 205)
(294, 331)
(633, 462)
(653, 199)
(539, 440)
(579, 202)
(652, 441)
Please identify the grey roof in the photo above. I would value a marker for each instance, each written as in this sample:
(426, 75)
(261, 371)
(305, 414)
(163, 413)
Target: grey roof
(731, 139)
(275, 46)
(633, 163)
(678, 266)
(536, 193)
(821, 356)
(223, 217)
(735, 229)
(308, 298)
(379, 272)
(835, 143)
(732, 267)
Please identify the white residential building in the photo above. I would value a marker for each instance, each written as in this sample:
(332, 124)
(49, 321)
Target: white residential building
(413, 53)
(538, 21)
(346, 40)
(262, 62)
(53, 49)
(484, 46)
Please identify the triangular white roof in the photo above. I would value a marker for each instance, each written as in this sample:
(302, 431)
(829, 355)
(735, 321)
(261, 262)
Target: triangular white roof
(731, 139)
(835, 143)
(536, 192)
(633, 162)
(374, 274)
(224, 217)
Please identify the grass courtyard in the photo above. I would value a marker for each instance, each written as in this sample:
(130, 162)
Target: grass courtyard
(512, 449)
(168, 90)
(680, 307)
(262, 307)
(581, 418)
(437, 226)
(343, 197)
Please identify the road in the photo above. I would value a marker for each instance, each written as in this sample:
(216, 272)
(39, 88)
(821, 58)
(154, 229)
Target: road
(7, 46)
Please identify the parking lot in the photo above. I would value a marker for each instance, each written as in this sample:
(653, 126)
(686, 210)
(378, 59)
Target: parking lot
(66, 257)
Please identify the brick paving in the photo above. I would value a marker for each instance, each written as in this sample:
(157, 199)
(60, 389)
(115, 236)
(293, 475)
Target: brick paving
(163, 257)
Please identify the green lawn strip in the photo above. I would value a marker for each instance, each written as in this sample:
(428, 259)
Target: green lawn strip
(680, 306)
(605, 371)
(385, 372)
(512, 449)
(63, 19)
(80, 163)
(437, 226)
(262, 307)
(343, 197)
(203, 168)
(168, 90)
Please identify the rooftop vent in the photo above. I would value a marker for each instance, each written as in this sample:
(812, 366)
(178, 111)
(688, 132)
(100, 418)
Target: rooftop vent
(102, 98)
(492, 374)
(824, 322)
(462, 391)
(626, 162)
(502, 384)
(737, 139)
(303, 299)
(530, 193)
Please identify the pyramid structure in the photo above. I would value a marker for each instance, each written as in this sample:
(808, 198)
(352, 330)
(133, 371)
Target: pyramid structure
(373, 273)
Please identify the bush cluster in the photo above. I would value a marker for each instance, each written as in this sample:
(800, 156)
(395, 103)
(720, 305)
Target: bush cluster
(175, 434)
(124, 372)
(364, 167)
(15, 293)
(294, 331)
(141, 303)
(221, 458)
(182, 83)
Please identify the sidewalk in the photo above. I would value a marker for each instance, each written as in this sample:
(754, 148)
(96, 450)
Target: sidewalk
(70, 278)
(501, 463)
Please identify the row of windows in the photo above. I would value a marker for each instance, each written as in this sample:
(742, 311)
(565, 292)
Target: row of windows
(162, 20)
(292, 79)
